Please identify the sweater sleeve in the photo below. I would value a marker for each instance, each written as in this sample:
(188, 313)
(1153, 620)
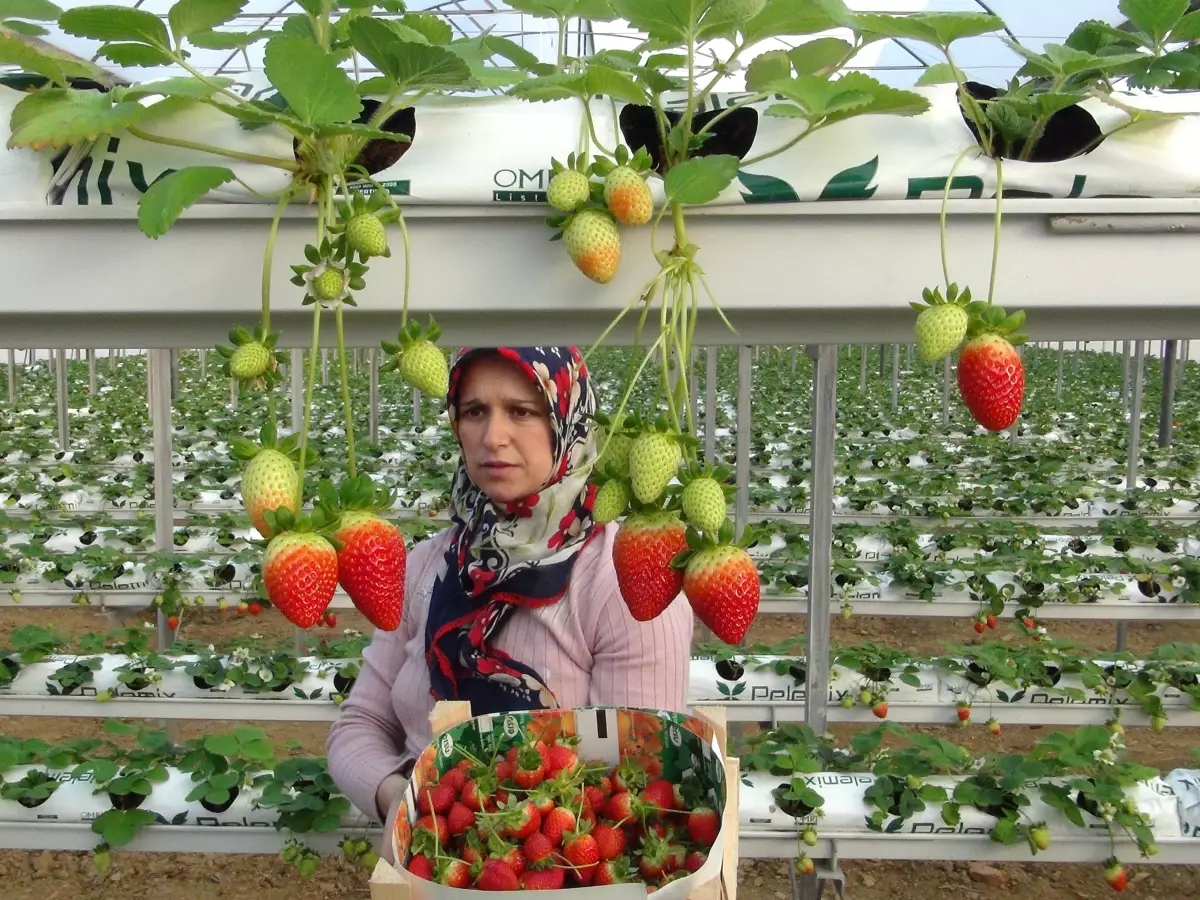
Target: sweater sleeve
(635, 664)
(367, 742)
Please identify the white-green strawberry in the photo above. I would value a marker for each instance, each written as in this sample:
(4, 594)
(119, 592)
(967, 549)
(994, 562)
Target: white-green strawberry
(424, 367)
(365, 234)
(330, 284)
(567, 190)
(615, 458)
(704, 505)
(653, 461)
(593, 242)
(249, 361)
(940, 330)
(612, 499)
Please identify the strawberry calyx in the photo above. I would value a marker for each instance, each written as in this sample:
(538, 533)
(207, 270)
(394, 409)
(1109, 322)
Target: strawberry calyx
(243, 340)
(330, 276)
(934, 297)
(410, 334)
(639, 162)
(986, 319)
(698, 541)
(358, 205)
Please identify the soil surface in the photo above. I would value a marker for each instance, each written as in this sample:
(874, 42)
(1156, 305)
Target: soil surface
(49, 875)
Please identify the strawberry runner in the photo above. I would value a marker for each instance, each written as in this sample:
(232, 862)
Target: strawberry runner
(507, 555)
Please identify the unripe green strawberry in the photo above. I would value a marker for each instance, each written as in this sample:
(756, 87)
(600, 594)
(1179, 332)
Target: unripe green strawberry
(330, 284)
(424, 367)
(627, 196)
(721, 583)
(249, 361)
(366, 235)
(704, 504)
(594, 244)
(653, 461)
(940, 329)
(567, 190)
(269, 482)
(615, 459)
(611, 502)
(300, 573)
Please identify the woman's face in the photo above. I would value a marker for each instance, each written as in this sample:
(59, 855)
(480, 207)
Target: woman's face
(505, 430)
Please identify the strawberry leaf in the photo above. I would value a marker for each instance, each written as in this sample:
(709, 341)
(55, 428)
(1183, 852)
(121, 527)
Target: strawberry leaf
(406, 63)
(190, 16)
(55, 117)
(170, 195)
(308, 77)
(116, 23)
(701, 180)
(30, 59)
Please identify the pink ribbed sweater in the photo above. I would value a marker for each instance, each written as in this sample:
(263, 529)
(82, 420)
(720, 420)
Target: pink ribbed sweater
(587, 646)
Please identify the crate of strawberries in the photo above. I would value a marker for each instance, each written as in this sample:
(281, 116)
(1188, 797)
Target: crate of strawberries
(627, 800)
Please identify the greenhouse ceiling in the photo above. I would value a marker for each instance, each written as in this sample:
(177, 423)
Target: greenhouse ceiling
(896, 62)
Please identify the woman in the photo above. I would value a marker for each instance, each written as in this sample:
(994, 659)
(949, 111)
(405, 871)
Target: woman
(515, 606)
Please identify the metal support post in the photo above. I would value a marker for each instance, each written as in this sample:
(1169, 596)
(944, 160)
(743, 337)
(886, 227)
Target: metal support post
(862, 372)
(91, 361)
(373, 412)
(60, 398)
(693, 384)
(1058, 379)
(324, 367)
(895, 377)
(1124, 377)
(1135, 417)
(882, 347)
(416, 416)
(233, 394)
(203, 364)
(742, 457)
(710, 404)
(1166, 413)
(158, 364)
(174, 372)
(12, 375)
(297, 383)
(946, 393)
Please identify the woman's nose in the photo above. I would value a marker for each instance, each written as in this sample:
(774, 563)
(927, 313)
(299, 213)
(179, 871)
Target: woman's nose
(496, 433)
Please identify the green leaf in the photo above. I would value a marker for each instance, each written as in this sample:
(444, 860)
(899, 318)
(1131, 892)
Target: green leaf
(178, 87)
(794, 18)
(226, 40)
(510, 50)
(221, 744)
(308, 77)
(135, 55)
(606, 81)
(30, 59)
(38, 10)
(1186, 29)
(768, 68)
(436, 30)
(1155, 18)
(406, 63)
(542, 9)
(673, 21)
(190, 16)
(884, 100)
(937, 28)
(116, 23)
(701, 180)
(938, 73)
(18, 27)
(162, 204)
(549, 87)
(821, 56)
(54, 117)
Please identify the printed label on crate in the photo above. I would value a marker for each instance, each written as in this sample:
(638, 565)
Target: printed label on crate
(768, 679)
(1185, 783)
(678, 748)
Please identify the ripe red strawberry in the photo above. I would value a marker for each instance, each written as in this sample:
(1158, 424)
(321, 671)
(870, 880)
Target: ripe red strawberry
(504, 770)
(556, 825)
(472, 850)
(642, 552)
(610, 840)
(436, 826)
(611, 871)
(496, 876)
(512, 856)
(1115, 875)
(460, 819)
(695, 861)
(653, 862)
(595, 797)
(300, 573)
(435, 798)
(371, 566)
(676, 854)
(456, 778)
(880, 709)
(659, 795)
(620, 808)
(421, 866)
(471, 796)
(561, 758)
(581, 853)
(453, 873)
(980, 627)
(254, 608)
(991, 379)
(543, 879)
(530, 768)
(703, 825)
(991, 621)
(525, 820)
(721, 583)
(964, 712)
(537, 847)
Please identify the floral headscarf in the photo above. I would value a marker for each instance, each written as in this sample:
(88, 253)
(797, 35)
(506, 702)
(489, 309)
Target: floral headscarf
(520, 553)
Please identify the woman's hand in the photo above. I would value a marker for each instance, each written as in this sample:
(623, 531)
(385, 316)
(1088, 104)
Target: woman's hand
(387, 800)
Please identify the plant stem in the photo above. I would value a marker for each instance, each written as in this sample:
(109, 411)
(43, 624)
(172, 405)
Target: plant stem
(591, 123)
(629, 390)
(975, 110)
(404, 239)
(268, 257)
(996, 228)
(942, 217)
(322, 224)
(346, 407)
(217, 151)
(808, 132)
(665, 336)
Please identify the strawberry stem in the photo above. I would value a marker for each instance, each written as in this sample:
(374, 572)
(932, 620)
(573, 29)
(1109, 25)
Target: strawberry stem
(996, 228)
(403, 237)
(268, 256)
(942, 217)
(216, 151)
(324, 213)
(347, 408)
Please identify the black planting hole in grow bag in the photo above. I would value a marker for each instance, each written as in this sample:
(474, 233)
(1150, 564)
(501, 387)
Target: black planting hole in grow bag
(225, 573)
(132, 800)
(787, 806)
(1068, 133)
(88, 537)
(11, 665)
(342, 684)
(730, 669)
(221, 807)
(733, 135)
(1149, 588)
(380, 154)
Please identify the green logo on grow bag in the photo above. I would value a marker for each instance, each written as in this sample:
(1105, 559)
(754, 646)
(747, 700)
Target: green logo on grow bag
(853, 183)
(766, 189)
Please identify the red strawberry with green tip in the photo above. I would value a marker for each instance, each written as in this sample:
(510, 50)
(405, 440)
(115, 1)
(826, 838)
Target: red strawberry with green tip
(991, 376)
(581, 853)
(495, 875)
(721, 583)
(453, 873)
(530, 768)
(371, 557)
(1115, 875)
(611, 871)
(642, 552)
(421, 866)
(551, 879)
(299, 571)
(557, 824)
(703, 826)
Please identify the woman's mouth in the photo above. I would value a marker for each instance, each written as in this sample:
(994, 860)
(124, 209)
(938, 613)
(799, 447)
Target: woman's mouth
(497, 466)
